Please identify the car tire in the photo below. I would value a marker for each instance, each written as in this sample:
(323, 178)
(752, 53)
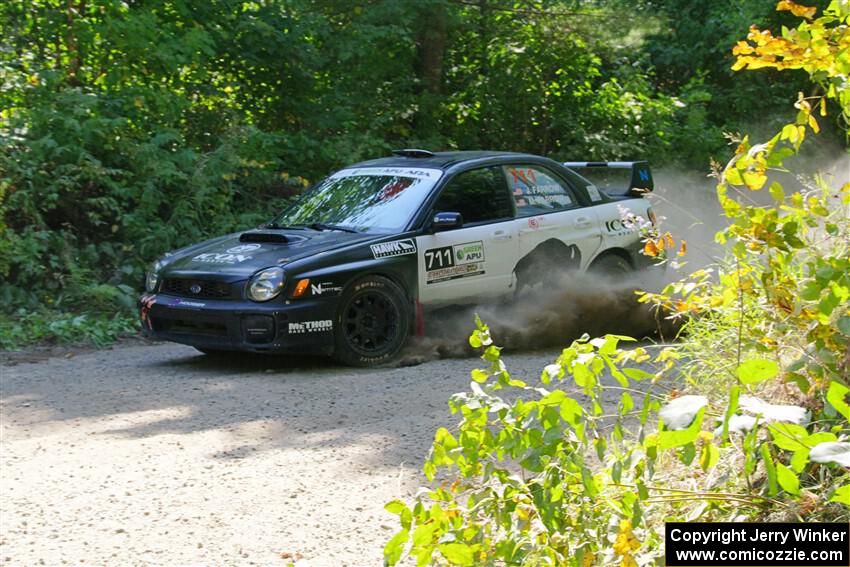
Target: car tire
(372, 323)
(611, 265)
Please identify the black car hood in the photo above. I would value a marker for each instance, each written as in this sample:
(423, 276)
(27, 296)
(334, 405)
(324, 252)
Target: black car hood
(241, 254)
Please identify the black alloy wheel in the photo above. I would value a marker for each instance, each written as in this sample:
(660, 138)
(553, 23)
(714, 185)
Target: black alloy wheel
(373, 322)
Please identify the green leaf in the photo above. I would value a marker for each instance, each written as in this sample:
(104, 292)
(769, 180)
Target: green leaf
(769, 469)
(734, 394)
(841, 495)
(395, 507)
(677, 438)
(395, 547)
(789, 436)
(479, 375)
(570, 410)
(787, 479)
(444, 438)
(757, 370)
(424, 534)
(843, 324)
(836, 395)
(457, 553)
(638, 374)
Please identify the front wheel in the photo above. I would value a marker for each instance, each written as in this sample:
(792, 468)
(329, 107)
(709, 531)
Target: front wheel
(373, 322)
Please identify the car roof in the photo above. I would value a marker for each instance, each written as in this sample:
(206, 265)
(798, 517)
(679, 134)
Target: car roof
(443, 160)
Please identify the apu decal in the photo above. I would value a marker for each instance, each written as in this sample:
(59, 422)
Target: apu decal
(394, 248)
(311, 327)
(452, 262)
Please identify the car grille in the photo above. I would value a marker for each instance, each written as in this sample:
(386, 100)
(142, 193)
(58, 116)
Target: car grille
(196, 288)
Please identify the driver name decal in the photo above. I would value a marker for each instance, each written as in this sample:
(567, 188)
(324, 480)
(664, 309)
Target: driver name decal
(453, 262)
(394, 248)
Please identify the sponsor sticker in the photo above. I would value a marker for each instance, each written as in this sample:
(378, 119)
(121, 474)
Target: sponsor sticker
(324, 288)
(453, 262)
(311, 327)
(416, 173)
(220, 258)
(535, 222)
(618, 228)
(244, 248)
(593, 192)
(394, 248)
(184, 303)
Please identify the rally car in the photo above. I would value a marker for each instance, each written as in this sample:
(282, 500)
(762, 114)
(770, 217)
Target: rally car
(355, 265)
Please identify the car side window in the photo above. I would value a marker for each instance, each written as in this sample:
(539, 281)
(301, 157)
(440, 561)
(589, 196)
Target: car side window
(479, 195)
(536, 191)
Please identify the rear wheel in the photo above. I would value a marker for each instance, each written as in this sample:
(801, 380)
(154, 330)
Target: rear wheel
(611, 265)
(373, 322)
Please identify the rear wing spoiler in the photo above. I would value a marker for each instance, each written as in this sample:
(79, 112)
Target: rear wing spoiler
(618, 181)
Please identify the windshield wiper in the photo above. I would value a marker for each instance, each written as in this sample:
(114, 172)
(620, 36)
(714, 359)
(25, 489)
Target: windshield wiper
(323, 226)
(275, 226)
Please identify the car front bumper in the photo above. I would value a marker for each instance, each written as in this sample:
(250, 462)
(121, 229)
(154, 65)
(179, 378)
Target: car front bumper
(279, 326)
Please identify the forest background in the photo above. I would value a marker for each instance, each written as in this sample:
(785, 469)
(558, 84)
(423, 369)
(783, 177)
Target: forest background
(129, 128)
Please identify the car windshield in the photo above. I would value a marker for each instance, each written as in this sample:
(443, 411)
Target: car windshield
(378, 199)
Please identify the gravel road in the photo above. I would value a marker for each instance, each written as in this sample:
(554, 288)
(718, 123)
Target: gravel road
(157, 455)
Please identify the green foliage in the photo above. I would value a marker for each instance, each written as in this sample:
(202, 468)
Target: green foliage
(127, 130)
(54, 327)
(531, 475)
(574, 471)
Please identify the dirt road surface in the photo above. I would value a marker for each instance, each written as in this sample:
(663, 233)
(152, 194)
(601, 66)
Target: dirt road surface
(157, 455)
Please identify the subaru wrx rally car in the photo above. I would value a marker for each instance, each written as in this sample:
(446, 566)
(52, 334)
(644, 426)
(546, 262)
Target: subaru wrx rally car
(353, 268)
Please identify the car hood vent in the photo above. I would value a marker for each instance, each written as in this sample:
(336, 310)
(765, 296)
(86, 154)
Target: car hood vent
(273, 237)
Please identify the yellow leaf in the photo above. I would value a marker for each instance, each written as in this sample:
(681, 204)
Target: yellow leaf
(733, 176)
(626, 541)
(807, 12)
(813, 124)
(683, 248)
(670, 242)
(650, 249)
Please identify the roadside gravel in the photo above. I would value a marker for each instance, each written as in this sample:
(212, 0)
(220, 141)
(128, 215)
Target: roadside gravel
(157, 455)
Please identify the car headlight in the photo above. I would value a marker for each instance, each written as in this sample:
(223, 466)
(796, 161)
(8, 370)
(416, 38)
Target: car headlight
(266, 284)
(152, 277)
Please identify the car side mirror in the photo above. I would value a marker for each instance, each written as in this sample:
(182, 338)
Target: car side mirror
(447, 221)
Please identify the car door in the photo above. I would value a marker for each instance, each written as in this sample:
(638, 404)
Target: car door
(553, 228)
(477, 259)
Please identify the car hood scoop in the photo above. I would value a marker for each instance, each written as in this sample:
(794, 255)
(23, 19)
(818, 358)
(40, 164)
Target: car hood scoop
(239, 255)
(269, 237)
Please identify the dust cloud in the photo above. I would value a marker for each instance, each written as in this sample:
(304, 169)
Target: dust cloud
(545, 317)
(686, 204)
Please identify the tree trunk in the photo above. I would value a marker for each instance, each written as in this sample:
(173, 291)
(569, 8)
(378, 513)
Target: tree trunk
(430, 51)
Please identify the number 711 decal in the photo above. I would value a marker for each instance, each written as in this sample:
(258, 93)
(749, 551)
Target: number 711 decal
(452, 262)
